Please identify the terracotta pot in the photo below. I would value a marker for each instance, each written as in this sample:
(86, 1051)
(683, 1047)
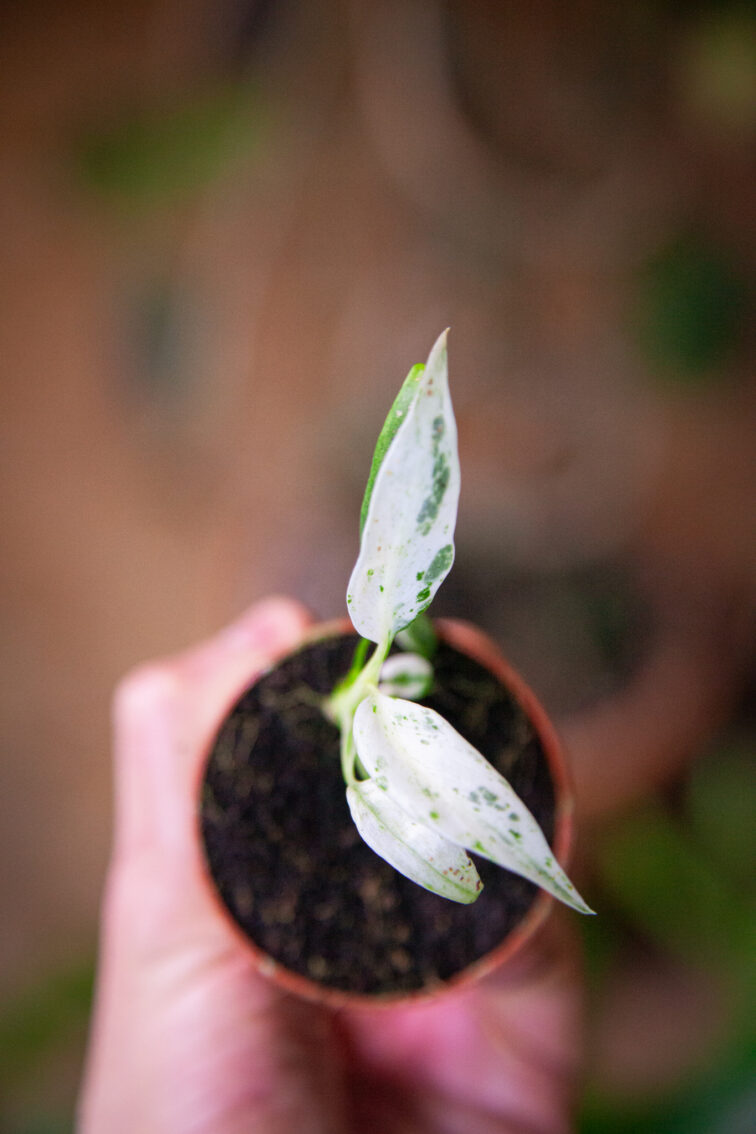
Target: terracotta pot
(475, 645)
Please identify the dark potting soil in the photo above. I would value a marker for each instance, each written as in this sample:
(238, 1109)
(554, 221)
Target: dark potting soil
(286, 857)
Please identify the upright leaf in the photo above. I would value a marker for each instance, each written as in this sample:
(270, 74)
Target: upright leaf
(396, 416)
(407, 546)
(438, 778)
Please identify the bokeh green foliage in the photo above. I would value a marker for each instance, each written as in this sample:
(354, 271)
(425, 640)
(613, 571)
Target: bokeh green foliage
(35, 1025)
(158, 155)
(683, 879)
(689, 311)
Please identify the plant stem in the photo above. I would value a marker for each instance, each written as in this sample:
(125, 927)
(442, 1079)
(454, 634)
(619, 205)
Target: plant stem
(341, 706)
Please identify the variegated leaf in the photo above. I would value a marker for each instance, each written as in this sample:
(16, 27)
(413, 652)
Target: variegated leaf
(417, 852)
(436, 776)
(406, 675)
(407, 543)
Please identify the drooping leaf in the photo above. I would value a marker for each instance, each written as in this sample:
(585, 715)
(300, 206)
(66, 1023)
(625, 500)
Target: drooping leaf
(417, 852)
(406, 675)
(407, 546)
(436, 776)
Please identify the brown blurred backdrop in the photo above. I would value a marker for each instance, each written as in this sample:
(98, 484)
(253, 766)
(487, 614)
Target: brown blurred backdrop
(227, 229)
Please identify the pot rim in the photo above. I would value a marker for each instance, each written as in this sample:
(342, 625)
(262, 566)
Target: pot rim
(470, 640)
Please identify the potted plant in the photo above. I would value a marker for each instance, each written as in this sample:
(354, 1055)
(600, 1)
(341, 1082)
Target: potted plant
(348, 788)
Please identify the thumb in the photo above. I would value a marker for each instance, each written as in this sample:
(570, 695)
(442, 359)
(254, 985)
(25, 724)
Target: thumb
(165, 714)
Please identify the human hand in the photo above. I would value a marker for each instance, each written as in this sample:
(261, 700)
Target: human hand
(188, 1038)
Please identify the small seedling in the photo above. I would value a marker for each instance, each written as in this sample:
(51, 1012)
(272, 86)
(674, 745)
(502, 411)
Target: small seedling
(419, 794)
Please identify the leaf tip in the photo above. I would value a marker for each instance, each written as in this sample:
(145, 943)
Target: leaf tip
(440, 346)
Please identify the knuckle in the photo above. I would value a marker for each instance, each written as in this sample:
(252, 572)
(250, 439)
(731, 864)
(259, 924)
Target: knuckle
(148, 689)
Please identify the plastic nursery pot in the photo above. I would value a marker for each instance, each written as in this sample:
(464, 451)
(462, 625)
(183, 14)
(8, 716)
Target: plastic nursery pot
(324, 916)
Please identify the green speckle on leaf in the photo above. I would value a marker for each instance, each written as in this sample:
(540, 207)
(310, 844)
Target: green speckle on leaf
(432, 503)
(419, 575)
(441, 476)
(491, 798)
(440, 563)
(434, 815)
(422, 595)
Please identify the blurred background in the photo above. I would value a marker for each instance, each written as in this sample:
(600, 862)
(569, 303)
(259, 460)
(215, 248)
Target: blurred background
(228, 227)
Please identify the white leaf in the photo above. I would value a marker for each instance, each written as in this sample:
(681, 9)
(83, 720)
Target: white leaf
(407, 545)
(410, 847)
(423, 762)
(407, 675)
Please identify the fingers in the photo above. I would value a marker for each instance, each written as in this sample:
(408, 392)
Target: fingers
(165, 715)
(503, 1050)
(186, 1035)
(540, 993)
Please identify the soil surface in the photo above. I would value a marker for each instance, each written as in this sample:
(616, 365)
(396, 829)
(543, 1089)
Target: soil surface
(288, 861)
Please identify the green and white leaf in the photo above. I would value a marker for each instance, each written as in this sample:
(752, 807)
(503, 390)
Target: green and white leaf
(436, 776)
(406, 675)
(396, 415)
(417, 852)
(410, 509)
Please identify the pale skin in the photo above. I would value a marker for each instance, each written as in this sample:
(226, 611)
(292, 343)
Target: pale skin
(188, 1038)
